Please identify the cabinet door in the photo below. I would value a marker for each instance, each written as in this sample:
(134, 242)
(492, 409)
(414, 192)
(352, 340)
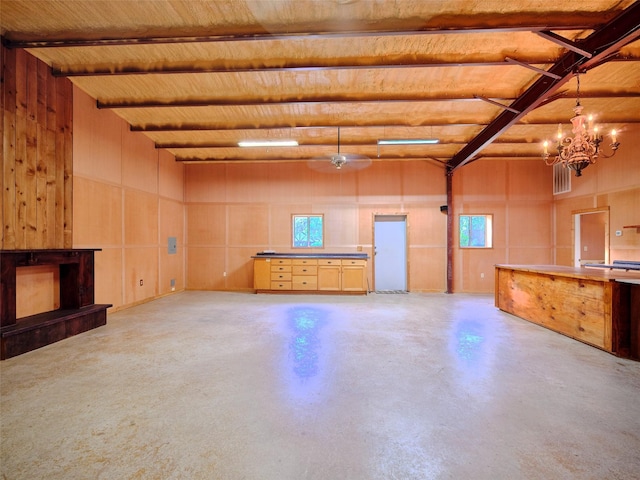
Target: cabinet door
(261, 273)
(329, 277)
(354, 276)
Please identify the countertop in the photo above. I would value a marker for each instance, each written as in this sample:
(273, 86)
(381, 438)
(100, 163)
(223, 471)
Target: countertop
(362, 256)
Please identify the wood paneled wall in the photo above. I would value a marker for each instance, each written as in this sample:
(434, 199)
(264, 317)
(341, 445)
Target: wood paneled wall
(37, 154)
(128, 199)
(518, 193)
(613, 183)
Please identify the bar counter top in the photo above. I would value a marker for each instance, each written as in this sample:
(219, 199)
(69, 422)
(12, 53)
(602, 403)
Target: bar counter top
(586, 273)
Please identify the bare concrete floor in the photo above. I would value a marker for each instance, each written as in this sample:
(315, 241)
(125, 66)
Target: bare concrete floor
(210, 385)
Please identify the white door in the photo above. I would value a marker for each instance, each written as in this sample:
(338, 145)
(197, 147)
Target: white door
(390, 250)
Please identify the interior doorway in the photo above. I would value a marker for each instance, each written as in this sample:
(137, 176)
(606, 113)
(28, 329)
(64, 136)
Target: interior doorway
(390, 253)
(591, 236)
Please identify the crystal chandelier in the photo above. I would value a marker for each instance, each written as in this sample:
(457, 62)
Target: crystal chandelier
(583, 149)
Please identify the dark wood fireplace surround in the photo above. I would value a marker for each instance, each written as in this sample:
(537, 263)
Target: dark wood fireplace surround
(77, 313)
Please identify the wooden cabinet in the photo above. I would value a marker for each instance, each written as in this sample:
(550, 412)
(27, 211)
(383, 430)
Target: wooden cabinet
(308, 274)
(354, 276)
(304, 274)
(261, 273)
(330, 275)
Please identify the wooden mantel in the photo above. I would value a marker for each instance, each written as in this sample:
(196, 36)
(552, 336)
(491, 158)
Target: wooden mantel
(77, 313)
(595, 306)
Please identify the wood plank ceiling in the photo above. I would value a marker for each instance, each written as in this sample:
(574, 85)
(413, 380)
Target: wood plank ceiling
(488, 79)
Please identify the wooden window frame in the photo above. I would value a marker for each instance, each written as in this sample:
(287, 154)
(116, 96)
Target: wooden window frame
(488, 235)
(293, 230)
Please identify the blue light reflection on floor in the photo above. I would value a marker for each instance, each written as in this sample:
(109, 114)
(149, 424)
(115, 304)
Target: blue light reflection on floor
(305, 361)
(473, 346)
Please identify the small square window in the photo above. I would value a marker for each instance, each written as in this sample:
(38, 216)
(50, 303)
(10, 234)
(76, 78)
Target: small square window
(308, 231)
(476, 231)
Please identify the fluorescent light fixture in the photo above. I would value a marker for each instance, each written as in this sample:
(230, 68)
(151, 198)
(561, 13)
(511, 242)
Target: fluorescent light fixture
(408, 141)
(268, 143)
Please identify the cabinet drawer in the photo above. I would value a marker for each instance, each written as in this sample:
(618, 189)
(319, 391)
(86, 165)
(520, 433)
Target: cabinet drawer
(305, 270)
(280, 268)
(353, 262)
(329, 261)
(280, 261)
(278, 277)
(302, 282)
(280, 285)
(304, 261)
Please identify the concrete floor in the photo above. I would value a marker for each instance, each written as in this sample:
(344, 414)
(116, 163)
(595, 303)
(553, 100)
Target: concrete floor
(211, 385)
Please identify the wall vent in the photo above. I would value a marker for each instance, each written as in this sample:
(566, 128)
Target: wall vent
(561, 179)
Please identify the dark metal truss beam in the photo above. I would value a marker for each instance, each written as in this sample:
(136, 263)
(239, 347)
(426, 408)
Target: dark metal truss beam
(620, 31)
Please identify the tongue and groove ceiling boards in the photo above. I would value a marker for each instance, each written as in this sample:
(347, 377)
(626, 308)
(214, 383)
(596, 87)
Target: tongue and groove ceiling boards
(488, 79)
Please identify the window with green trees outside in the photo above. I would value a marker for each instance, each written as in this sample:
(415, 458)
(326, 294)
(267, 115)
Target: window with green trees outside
(308, 231)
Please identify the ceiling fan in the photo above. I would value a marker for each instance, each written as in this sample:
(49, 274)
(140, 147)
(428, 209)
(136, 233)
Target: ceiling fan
(339, 161)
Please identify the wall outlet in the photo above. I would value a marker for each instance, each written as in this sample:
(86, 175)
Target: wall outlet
(482, 275)
(224, 274)
(141, 282)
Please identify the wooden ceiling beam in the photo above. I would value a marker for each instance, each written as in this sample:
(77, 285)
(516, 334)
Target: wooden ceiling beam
(384, 64)
(622, 30)
(317, 158)
(254, 128)
(159, 40)
(217, 102)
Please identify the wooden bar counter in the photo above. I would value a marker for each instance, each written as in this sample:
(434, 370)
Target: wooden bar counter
(595, 306)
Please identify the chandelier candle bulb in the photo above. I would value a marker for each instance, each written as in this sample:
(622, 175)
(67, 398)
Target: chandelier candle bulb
(546, 144)
(613, 135)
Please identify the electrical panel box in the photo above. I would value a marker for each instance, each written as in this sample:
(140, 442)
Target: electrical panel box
(173, 245)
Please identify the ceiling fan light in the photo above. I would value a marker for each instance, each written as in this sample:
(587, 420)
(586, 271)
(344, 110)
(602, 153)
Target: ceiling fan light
(268, 143)
(408, 141)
